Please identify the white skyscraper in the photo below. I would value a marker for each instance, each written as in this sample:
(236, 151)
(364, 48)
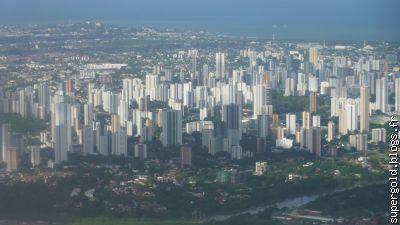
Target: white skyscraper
(35, 155)
(5, 141)
(331, 131)
(119, 137)
(364, 109)
(188, 95)
(88, 114)
(193, 55)
(123, 112)
(351, 115)
(378, 135)
(382, 94)
(301, 84)
(43, 94)
(316, 121)
(61, 123)
(313, 84)
(397, 94)
(220, 65)
(261, 97)
(291, 123)
(152, 86)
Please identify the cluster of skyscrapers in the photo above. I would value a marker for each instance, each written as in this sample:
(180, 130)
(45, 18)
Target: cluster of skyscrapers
(101, 120)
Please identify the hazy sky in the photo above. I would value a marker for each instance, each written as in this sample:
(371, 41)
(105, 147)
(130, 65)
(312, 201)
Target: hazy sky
(355, 19)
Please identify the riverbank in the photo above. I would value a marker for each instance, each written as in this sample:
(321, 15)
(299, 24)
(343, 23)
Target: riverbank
(291, 203)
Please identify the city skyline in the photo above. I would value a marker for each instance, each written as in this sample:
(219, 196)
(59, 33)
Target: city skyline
(209, 113)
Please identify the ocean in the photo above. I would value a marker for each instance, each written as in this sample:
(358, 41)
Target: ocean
(342, 20)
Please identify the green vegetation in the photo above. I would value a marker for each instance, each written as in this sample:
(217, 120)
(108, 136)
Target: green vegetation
(131, 221)
(30, 199)
(354, 203)
(155, 105)
(248, 106)
(32, 141)
(23, 125)
(287, 104)
(324, 108)
(262, 218)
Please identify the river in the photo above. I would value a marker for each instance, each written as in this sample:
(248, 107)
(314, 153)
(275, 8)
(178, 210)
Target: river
(288, 203)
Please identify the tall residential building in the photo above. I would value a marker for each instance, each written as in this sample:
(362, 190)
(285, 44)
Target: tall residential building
(314, 142)
(171, 127)
(313, 102)
(101, 139)
(364, 109)
(342, 121)
(301, 86)
(261, 98)
(381, 95)
(331, 131)
(12, 159)
(22, 107)
(252, 61)
(351, 108)
(359, 141)
(313, 84)
(205, 76)
(87, 130)
(289, 87)
(120, 142)
(4, 140)
(35, 155)
(69, 86)
(127, 89)
(152, 82)
(316, 121)
(306, 120)
(44, 95)
(291, 124)
(115, 123)
(62, 128)
(88, 139)
(397, 94)
(378, 135)
(88, 114)
(119, 138)
(232, 116)
(263, 126)
(313, 55)
(220, 65)
(193, 55)
(123, 112)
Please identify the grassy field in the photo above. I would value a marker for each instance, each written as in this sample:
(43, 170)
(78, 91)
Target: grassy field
(129, 221)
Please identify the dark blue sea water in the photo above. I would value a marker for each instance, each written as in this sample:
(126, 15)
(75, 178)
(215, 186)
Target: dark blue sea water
(376, 20)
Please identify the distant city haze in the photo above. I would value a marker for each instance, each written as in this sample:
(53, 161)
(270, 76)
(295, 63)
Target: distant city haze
(355, 20)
